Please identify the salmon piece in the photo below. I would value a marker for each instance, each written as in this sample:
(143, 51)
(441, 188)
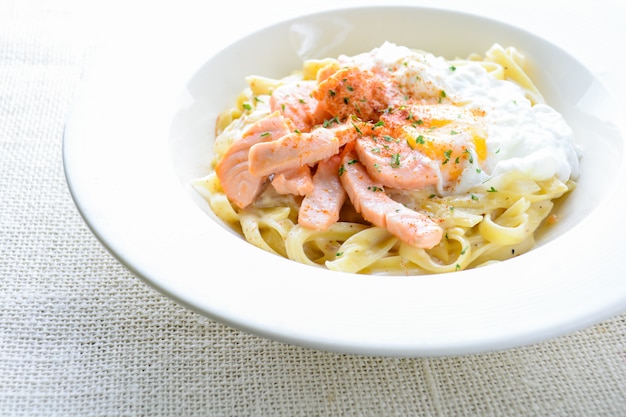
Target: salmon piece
(296, 181)
(302, 148)
(239, 184)
(413, 228)
(320, 209)
(352, 91)
(295, 102)
(422, 144)
(292, 151)
(392, 162)
(368, 198)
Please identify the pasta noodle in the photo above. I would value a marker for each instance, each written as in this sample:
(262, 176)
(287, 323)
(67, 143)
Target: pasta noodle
(490, 217)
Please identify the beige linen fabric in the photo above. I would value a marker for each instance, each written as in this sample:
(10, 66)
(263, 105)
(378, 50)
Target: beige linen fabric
(81, 336)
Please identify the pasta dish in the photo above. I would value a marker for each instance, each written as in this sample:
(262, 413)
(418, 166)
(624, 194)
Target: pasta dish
(392, 161)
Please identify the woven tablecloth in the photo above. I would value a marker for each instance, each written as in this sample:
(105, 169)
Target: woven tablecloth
(82, 336)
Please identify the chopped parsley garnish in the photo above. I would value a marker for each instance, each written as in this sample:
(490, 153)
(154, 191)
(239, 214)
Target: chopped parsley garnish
(395, 160)
(329, 122)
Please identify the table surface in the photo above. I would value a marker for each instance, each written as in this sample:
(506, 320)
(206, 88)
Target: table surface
(80, 335)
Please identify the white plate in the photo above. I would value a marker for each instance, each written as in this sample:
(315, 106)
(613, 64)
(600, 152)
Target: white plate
(142, 128)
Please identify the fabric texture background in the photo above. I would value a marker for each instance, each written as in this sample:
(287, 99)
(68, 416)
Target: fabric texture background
(82, 336)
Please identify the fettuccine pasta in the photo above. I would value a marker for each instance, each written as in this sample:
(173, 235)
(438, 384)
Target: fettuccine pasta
(394, 161)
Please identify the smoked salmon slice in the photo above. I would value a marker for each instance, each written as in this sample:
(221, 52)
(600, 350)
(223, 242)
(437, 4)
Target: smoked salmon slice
(240, 186)
(295, 102)
(391, 161)
(352, 92)
(296, 181)
(369, 198)
(301, 148)
(320, 209)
